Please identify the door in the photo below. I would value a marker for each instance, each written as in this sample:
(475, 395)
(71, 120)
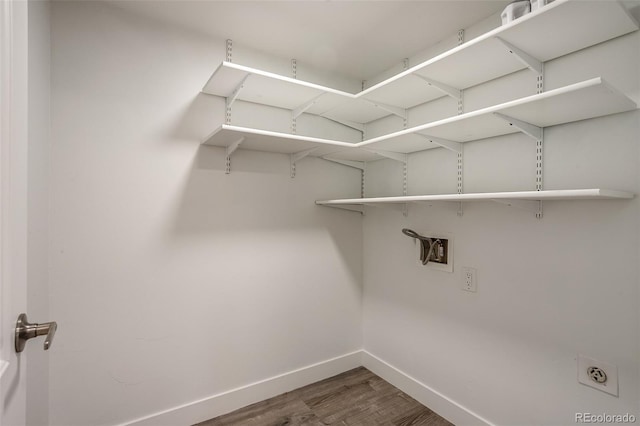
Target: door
(13, 206)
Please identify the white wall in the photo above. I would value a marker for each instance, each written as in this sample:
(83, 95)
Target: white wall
(170, 280)
(547, 289)
(38, 208)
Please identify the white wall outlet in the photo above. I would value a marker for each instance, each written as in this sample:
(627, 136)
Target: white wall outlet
(598, 375)
(469, 279)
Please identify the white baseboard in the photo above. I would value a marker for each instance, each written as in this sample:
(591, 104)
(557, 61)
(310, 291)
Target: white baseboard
(226, 402)
(440, 404)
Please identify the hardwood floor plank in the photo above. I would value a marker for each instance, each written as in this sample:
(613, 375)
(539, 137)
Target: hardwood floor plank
(354, 398)
(383, 409)
(352, 377)
(274, 411)
(420, 417)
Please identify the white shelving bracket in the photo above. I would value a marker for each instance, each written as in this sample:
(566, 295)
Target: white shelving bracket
(528, 129)
(302, 108)
(360, 165)
(534, 206)
(297, 156)
(400, 112)
(395, 156)
(230, 150)
(445, 143)
(532, 63)
(444, 88)
(355, 164)
(348, 123)
(236, 92)
(353, 208)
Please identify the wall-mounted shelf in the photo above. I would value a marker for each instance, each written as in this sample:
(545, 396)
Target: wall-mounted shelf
(554, 30)
(560, 28)
(267, 88)
(267, 141)
(526, 42)
(580, 101)
(518, 199)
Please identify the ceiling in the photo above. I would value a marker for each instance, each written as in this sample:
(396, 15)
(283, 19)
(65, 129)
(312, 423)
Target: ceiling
(359, 39)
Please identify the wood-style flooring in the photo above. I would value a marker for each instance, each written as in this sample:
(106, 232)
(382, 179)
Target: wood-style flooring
(357, 397)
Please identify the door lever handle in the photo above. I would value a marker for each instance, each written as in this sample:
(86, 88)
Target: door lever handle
(26, 330)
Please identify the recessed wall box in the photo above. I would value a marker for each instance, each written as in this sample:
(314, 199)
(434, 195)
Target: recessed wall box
(433, 249)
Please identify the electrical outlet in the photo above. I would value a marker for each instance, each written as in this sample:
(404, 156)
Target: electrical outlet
(598, 375)
(469, 279)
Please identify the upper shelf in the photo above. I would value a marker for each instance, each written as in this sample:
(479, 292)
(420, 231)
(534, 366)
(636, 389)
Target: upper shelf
(554, 30)
(562, 194)
(557, 29)
(267, 88)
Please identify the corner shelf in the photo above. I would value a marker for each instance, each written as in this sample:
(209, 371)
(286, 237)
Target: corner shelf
(579, 101)
(528, 41)
(263, 140)
(263, 87)
(519, 199)
(506, 49)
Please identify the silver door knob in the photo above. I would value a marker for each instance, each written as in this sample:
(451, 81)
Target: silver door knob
(26, 330)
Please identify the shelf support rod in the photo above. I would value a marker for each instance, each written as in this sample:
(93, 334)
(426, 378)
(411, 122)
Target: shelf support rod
(229, 55)
(234, 95)
(297, 156)
(444, 143)
(534, 206)
(528, 129)
(348, 123)
(400, 112)
(540, 146)
(532, 63)
(444, 88)
(461, 152)
(230, 150)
